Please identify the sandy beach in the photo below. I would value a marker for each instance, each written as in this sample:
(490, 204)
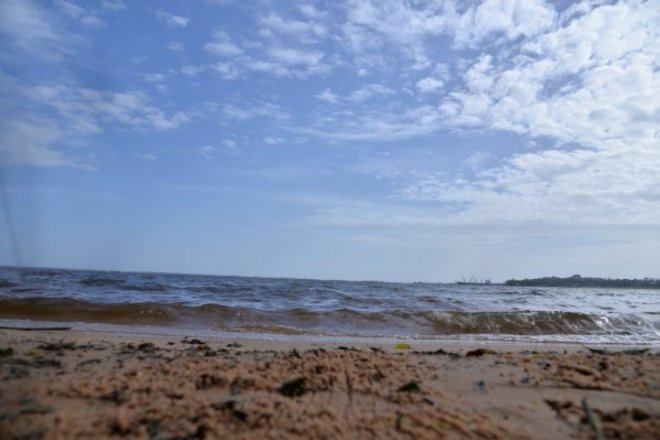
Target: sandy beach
(73, 384)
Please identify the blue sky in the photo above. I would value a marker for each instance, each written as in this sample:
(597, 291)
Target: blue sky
(392, 140)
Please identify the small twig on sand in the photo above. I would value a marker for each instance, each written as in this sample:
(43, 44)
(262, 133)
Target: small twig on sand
(632, 351)
(35, 329)
(593, 420)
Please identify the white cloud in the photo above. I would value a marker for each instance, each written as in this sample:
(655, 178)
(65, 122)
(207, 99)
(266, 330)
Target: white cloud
(590, 82)
(257, 109)
(289, 62)
(47, 114)
(144, 156)
(274, 60)
(273, 140)
(175, 46)
(155, 77)
(172, 20)
(429, 85)
(231, 147)
(285, 47)
(311, 11)
(554, 186)
(327, 96)
(304, 31)
(114, 5)
(508, 18)
(375, 124)
(191, 71)
(31, 29)
(370, 90)
(228, 70)
(586, 78)
(477, 159)
(28, 141)
(380, 25)
(210, 152)
(207, 151)
(222, 45)
(83, 15)
(288, 56)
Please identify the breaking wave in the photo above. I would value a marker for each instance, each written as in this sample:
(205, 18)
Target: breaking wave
(340, 321)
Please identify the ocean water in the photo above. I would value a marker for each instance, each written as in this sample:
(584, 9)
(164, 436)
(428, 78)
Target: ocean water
(332, 308)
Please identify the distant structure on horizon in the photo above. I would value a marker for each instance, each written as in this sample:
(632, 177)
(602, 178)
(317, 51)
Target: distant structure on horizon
(580, 281)
(473, 281)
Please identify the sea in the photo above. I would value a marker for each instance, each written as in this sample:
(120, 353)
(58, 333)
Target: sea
(205, 304)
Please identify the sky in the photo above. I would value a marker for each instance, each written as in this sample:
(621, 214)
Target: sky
(380, 140)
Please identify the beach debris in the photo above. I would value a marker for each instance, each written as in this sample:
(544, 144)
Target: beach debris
(42, 362)
(632, 351)
(241, 383)
(294, 354)
(147, 347)
(205, 381)
(153, 427)
(36, 408)
(192, 341)
(234, 345)
(593, 420)
(636, 351)
(293, 388)
(544, 364)
(597, 350)
(402, 346)
(29, 406)
(438, 352)
(480, 386)
(410, 387)
(378, 375)
(203, 347)
(58, 346)
(447, 423)
(118, 395)
(230, 405)
(240, 415)
(377, 350)
(558, 406)
(583, 370)
(35, 434)
(17, 372)
(35, 329)
(144, 347)
(224, 405)
(34, 352)
(639, 415)
(480, 352)
(89, 362)
(174, 395)
(6, 352)
(316, 351)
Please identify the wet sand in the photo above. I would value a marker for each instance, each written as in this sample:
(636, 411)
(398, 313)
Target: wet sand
(72, 384)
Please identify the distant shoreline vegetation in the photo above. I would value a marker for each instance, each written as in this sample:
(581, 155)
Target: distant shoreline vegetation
(579, 281)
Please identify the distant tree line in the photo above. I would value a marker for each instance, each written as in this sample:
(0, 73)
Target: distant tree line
(579, 281)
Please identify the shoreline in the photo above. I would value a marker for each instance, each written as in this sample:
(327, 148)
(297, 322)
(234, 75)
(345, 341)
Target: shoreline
(86, 384)
(510, 342)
